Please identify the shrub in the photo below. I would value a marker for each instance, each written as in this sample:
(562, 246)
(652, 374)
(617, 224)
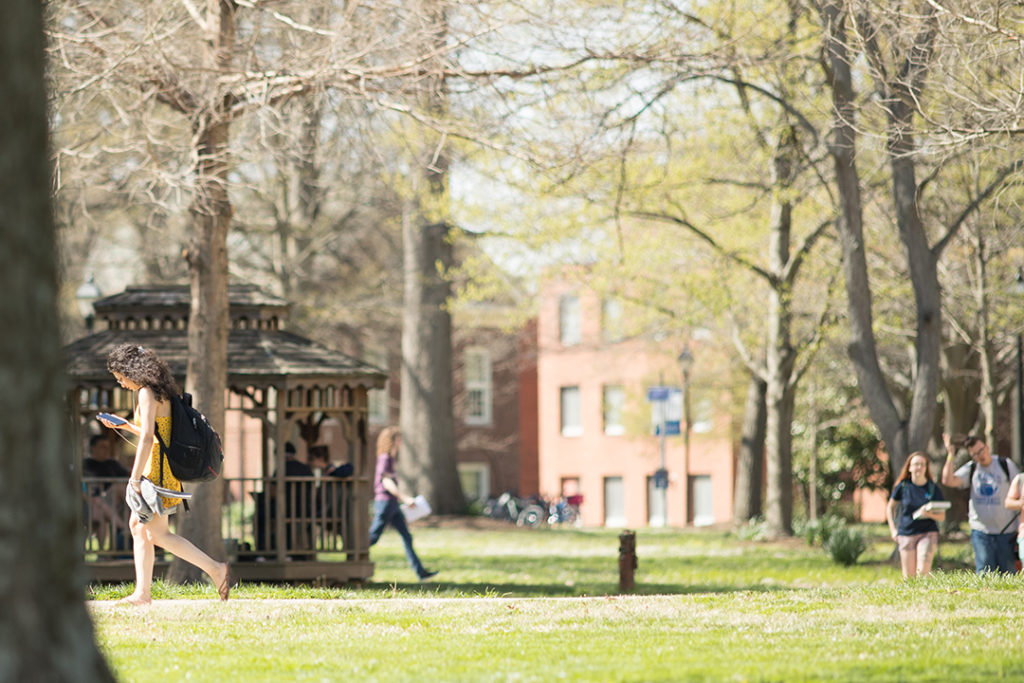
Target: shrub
(819, 531)
(752, 530)
(845, 545)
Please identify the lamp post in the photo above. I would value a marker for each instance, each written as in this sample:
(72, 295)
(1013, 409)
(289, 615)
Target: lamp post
(86, 294)
(685, 360)
(661, 476)
(1018, 393)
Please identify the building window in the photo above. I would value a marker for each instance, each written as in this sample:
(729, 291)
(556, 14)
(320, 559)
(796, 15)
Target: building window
(479, 387)
(378, 406)
(572, 424)
(703, 415)
(475, 478)
(611, 321)
(702, 506)
(613, 401)
(614, 502)
(657, 515)
(569, 325)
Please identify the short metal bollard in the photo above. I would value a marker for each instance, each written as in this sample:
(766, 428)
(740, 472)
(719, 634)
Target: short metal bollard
(627, 560)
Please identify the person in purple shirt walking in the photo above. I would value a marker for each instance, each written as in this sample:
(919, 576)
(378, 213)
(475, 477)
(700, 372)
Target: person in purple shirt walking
(387, 496)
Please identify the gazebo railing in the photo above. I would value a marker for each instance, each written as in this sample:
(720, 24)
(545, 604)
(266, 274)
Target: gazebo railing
(317, 515)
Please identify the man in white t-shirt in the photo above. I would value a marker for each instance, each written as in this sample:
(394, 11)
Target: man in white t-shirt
(992, 525)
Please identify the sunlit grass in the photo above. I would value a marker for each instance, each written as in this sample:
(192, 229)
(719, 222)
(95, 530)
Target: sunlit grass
(510, 605)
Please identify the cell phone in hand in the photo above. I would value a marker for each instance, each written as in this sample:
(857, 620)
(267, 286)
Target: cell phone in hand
(113, 419)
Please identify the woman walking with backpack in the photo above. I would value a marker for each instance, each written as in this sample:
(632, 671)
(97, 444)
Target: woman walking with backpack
(917, 538)
(140, 370)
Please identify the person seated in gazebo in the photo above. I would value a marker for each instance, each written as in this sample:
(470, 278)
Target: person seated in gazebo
(297, 499)
(328, 496)
(104, 511)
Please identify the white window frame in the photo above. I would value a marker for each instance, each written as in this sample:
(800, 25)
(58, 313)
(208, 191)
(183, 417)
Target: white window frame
(482, 383)
(703, 416)
(479, 471)
(570, 324)
(378, 401)
(613, 405)
(611, 321)
(570, 424)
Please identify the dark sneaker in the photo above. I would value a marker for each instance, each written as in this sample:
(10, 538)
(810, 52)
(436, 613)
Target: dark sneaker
(427, 575)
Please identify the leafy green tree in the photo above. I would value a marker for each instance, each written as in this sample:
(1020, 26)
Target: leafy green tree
(912, 62)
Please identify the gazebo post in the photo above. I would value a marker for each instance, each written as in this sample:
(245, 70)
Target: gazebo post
(281, 423)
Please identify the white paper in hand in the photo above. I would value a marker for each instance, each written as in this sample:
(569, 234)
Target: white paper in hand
(418, 510)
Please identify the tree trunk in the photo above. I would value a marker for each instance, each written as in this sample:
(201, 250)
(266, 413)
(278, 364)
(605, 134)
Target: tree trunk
(427, 420)
(899, 87)
(781, 356)
(986, 356)
(750, 463)
(842, 147)
(428, 426)
(207, 258)
(925, 281)
(45, 630)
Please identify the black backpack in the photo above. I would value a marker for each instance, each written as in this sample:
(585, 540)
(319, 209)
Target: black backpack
(194, 453)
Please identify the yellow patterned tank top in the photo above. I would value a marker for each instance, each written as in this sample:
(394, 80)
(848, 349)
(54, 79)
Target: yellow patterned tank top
(151, 472)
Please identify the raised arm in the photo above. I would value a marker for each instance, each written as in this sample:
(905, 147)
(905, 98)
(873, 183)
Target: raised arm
(948, 478)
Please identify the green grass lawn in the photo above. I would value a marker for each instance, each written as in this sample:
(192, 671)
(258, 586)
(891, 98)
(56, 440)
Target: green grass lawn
(525, 605)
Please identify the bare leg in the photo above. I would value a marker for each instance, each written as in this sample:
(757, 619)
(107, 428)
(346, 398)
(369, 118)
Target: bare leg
(925, 554)
(908, 559)
(144, 555)
(160, 534)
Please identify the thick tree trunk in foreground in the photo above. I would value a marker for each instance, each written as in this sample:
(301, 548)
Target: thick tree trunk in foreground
(45, 631)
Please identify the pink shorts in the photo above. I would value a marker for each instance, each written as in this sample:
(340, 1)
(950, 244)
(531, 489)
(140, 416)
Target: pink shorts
(930, 538)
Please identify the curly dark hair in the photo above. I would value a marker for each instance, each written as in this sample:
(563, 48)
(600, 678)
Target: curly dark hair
(144, 367)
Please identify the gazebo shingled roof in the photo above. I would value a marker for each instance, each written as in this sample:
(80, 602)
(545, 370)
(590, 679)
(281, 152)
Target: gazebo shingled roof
(255, 357)
(259, 353)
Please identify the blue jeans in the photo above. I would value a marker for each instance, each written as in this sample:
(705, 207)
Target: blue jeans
(388, 512)
(993, 552)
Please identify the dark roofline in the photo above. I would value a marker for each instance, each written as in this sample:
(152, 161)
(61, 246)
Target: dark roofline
(178, 297)
(255, 357)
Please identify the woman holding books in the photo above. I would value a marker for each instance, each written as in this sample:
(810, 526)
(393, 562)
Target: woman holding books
(920, 505)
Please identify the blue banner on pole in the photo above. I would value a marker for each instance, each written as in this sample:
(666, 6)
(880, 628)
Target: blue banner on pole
(657, 394)
(666, 410)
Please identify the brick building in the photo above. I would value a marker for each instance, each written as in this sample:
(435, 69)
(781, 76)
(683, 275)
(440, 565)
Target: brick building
(597, 425)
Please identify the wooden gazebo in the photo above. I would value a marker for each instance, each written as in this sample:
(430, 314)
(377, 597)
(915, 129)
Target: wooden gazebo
(276, 527)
